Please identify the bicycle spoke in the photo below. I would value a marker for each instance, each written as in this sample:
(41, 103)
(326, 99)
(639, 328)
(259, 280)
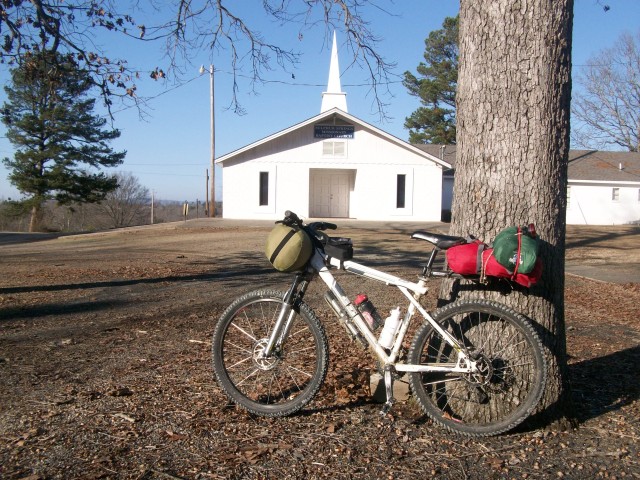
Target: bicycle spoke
(251, 336)
(241, 349)
(248, 376)
(306, 374)
(239, 362)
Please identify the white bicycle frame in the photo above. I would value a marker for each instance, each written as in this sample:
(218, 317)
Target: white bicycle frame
(413, 291)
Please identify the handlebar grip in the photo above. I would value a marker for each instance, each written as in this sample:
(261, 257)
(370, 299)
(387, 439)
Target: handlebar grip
(291, 219)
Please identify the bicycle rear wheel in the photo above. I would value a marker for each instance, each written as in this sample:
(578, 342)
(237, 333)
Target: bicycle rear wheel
(286, 381)
(512, 369)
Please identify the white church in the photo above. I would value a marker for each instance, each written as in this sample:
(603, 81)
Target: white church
(333, 165)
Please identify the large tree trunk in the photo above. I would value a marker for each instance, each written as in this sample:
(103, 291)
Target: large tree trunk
(513, 99)
(36, 218)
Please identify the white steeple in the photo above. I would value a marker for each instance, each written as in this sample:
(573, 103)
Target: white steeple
(334, 96)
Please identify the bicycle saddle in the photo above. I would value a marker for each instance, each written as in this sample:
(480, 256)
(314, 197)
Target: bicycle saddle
(441, 241)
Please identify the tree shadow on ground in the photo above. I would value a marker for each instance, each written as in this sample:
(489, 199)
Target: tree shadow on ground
(51, 309)
(605, 384)
(602, 240)
(251, 272)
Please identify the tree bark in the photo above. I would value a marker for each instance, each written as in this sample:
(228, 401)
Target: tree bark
(513, 104)
(36, 218)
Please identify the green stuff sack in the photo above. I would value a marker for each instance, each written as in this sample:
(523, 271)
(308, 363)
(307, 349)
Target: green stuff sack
(288, 249)
(505, 250)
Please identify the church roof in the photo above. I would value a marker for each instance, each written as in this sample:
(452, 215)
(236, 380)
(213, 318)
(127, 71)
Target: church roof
(329, 114)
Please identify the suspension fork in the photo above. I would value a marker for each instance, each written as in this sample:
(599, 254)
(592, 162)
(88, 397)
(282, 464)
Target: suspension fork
(287, 312)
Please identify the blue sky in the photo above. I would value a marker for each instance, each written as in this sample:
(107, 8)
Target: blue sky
(169, 150)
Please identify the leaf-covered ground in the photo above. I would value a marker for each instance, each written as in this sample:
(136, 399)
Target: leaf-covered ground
(105, 373)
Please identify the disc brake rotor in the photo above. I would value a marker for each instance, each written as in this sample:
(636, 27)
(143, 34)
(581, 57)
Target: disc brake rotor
(484, 371)
(262, 362)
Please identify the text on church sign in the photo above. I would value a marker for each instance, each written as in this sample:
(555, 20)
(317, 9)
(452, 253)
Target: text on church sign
(333, 131)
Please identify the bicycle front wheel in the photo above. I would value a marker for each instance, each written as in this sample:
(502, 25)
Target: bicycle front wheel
(282, 383)
(511, 368)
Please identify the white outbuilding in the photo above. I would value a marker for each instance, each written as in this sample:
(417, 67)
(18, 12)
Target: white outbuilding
(603, 186)
(333, 165)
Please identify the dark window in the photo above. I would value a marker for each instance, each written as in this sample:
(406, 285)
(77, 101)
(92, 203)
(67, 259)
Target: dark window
(264, 188)
(400, 192)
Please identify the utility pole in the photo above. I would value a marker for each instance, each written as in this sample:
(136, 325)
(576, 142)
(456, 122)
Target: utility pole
(206, 189)
(212, 208)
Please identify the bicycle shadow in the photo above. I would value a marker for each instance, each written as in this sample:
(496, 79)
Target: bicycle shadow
(604, 384)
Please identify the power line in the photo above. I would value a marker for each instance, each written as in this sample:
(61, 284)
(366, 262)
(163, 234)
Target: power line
(281, 82)
(164, 164)
(167, 174)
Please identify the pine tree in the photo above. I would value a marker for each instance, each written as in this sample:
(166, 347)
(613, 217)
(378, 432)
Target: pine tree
(435, 120)
(60, 142)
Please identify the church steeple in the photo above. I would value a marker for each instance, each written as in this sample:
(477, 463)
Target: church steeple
(334, 96)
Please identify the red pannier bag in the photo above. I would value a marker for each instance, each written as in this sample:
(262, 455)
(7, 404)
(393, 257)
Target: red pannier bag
(476, 258)
(466, 259)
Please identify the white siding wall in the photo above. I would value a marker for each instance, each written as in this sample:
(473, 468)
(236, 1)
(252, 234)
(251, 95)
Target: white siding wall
(375, 160)
(592, 204)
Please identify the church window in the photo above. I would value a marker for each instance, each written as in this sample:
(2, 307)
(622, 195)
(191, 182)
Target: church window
(401, 188)
(332, 148)
(264, 188)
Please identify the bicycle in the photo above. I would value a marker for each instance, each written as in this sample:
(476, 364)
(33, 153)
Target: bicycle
(475, 367)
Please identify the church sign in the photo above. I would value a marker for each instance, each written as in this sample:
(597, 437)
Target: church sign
(333, 131)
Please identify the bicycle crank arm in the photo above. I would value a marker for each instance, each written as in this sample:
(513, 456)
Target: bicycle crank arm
(388, 386)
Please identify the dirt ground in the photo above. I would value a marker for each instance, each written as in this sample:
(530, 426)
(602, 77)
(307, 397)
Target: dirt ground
(105, 370)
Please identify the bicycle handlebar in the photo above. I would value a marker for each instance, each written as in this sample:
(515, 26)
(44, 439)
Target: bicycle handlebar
(291, 219)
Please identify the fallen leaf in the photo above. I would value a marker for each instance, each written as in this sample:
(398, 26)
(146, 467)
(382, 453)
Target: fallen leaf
(125, 417)
(176, 436)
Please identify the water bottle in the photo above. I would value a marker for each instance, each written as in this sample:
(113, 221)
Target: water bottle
(351, 329)
(391, 324)
(368, 311)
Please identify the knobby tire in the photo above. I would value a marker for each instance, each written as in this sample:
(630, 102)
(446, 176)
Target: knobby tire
(495, 400)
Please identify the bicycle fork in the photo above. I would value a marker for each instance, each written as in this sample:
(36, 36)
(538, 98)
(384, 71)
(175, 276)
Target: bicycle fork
(285, 316)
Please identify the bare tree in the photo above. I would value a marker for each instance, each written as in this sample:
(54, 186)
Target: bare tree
(214, 25)
(68, 27)
(513, 102)
(189, 27)
(607, 106)
(128, 204)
